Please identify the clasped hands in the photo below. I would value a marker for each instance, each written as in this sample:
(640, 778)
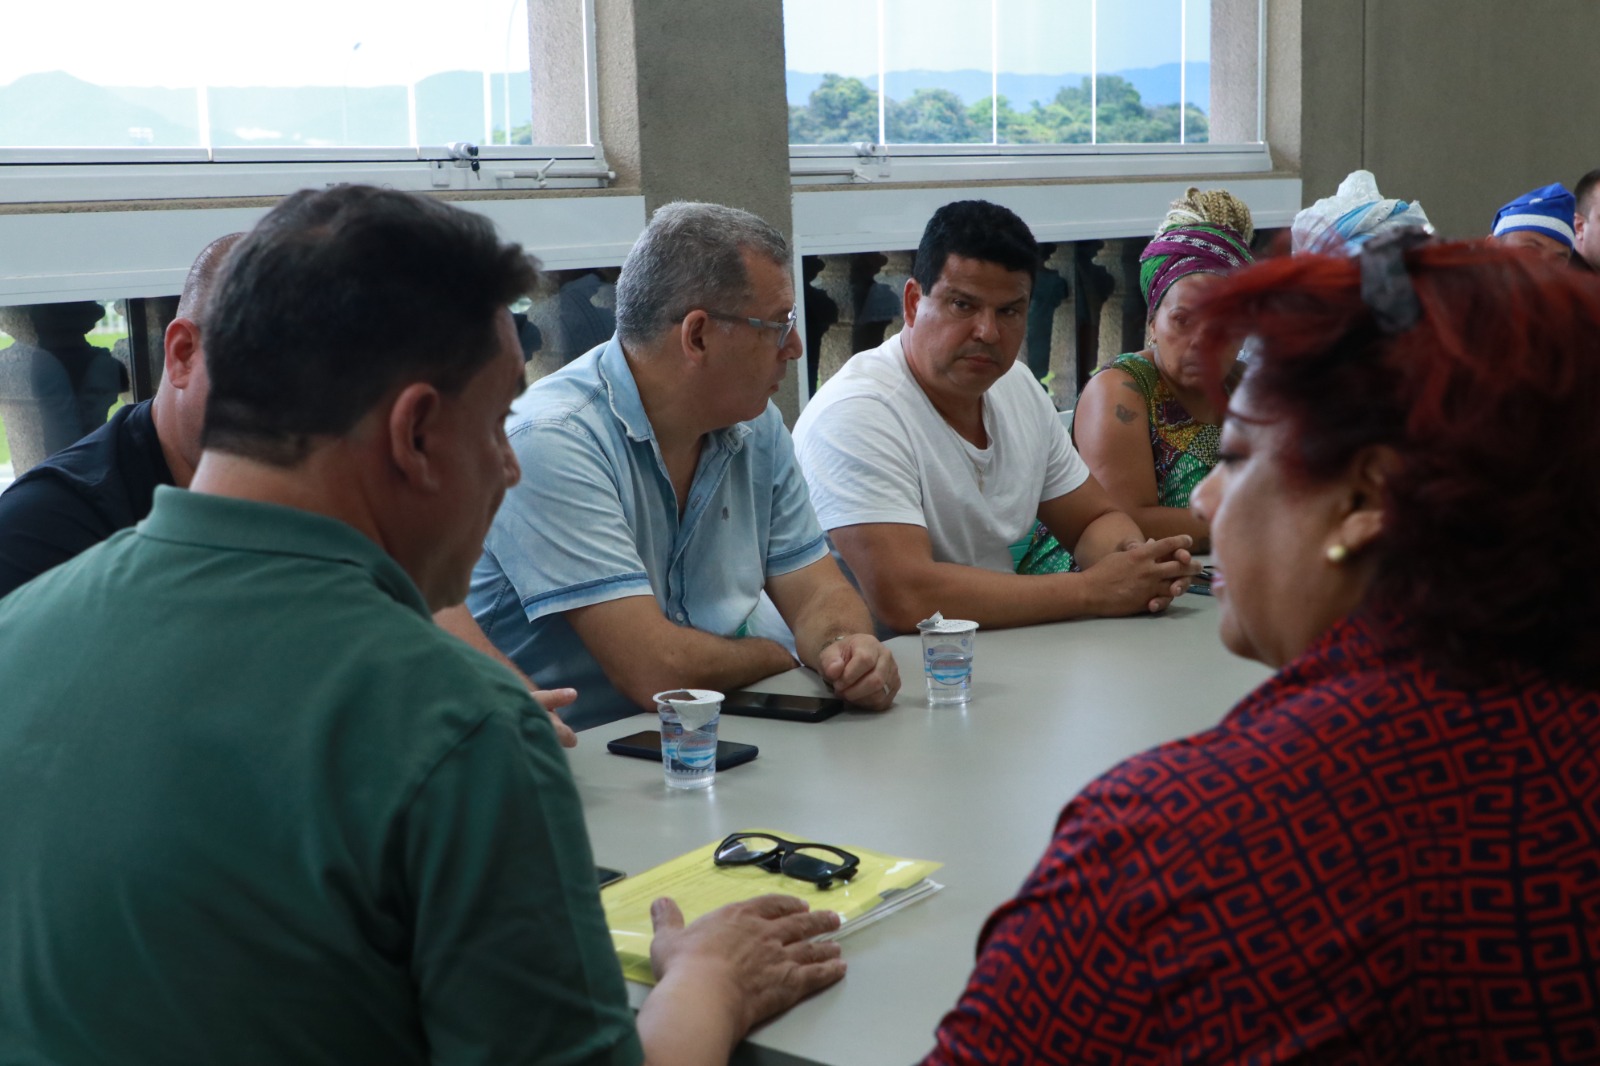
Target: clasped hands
(1145, 575)
(860, 670)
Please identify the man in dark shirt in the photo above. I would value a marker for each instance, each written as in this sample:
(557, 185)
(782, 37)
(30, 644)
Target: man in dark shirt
(105, 482)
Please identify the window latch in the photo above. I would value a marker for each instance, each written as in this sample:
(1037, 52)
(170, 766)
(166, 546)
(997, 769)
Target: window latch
(464, 154)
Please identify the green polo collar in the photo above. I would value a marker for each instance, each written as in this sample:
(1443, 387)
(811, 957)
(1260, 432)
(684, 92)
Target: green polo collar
(198, 518)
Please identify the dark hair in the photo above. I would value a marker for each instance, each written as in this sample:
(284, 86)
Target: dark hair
(202, 277)
(339, 296)
(1488, 404)
(974, 229)
(1583, 192)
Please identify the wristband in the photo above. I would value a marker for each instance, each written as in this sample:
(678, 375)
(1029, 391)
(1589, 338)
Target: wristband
(831, 642)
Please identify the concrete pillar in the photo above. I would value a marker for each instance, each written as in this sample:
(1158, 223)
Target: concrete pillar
(693, 106)
(1235, 69)
(875, 306)
(821, 314)
(1064, 330)
(560, 94)
(1112, 332)
(838, 342)
(1134, 311)
(545, 313)
(1284, 62)
(894, 275)
(1092, 285)
(1050, 333)
(54, 385)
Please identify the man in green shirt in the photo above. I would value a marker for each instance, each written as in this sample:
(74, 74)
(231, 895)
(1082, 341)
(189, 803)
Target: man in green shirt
(258, 808)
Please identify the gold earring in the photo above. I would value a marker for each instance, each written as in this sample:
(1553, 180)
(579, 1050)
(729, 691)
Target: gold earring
(1337, 553)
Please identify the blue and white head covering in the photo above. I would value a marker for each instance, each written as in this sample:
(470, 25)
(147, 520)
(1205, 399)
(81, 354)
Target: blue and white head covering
(1353, 215)
(1548, 211)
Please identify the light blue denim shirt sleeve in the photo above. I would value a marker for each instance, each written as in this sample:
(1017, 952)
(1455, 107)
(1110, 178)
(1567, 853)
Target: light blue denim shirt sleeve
(563, 538)
(596, 518)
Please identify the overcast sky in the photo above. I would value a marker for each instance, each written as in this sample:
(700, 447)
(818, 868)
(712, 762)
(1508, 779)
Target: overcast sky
(388, 42)
(283, 42)
(1035, 36)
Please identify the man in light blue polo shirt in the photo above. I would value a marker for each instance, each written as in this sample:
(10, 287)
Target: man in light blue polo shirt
(660, 495)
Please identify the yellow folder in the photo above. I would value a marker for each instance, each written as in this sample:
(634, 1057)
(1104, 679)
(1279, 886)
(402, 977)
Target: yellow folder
(699, 886)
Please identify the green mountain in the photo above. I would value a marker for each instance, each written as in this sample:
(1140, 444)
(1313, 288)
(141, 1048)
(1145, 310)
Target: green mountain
(58, 110)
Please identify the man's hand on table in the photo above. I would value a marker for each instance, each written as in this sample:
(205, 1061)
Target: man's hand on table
(552, 700)
(861, 671)
(755, 957)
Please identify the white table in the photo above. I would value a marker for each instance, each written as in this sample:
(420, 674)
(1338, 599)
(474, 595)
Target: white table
(978, 789)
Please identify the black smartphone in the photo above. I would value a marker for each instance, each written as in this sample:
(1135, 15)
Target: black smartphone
(607, 875)
(647, 745)
(784, 708)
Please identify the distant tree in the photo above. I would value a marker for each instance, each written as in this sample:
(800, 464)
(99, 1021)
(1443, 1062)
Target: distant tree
(1064, 120)
(839, 111)
(1197, 123)
(843, 110)
(1014, 127)
(932, 116)
(522, 134)
(1118, 108)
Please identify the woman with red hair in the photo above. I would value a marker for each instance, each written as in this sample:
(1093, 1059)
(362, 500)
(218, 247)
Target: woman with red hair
(1390, 851)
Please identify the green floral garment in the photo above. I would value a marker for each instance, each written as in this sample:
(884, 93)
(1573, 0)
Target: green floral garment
(1185, 451)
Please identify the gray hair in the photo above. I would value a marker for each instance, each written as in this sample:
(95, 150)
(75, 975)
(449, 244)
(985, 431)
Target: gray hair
(690, 256)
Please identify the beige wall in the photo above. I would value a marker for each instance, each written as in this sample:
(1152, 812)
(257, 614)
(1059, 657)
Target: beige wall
(1462, 104)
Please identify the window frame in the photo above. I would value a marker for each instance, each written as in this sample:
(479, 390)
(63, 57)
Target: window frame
(66, 175)
(873, 163)
(51, 256)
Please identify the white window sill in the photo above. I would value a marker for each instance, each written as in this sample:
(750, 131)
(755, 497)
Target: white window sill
(66, 176)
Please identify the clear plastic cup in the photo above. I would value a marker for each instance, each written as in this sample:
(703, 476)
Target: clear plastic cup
(689, 718)
(948, 645)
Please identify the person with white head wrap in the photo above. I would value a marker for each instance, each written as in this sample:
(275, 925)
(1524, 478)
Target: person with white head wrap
(1352, 216)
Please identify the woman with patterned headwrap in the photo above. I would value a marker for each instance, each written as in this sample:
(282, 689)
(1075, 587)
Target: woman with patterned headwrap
(1146, 423)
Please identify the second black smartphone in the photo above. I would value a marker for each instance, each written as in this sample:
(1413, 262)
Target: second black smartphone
(782, 707)
(647, 745)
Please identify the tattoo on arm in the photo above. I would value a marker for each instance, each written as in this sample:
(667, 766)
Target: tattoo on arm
(1124, 415)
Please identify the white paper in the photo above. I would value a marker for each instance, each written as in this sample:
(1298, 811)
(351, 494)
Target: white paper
(894, 901)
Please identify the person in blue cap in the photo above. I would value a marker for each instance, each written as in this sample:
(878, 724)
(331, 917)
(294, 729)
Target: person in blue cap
(1540, 222)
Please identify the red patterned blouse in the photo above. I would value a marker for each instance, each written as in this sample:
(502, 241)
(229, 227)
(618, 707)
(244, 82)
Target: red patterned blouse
(1360, 864)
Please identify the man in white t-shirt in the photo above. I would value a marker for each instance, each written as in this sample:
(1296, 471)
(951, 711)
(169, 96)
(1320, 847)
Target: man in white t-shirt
(930, 457)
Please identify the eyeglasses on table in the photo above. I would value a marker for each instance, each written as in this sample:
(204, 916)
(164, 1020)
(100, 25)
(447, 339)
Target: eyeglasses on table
(820, 864)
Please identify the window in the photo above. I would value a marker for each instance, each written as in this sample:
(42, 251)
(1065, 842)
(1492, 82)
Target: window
(894, 82)
(214, 95)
